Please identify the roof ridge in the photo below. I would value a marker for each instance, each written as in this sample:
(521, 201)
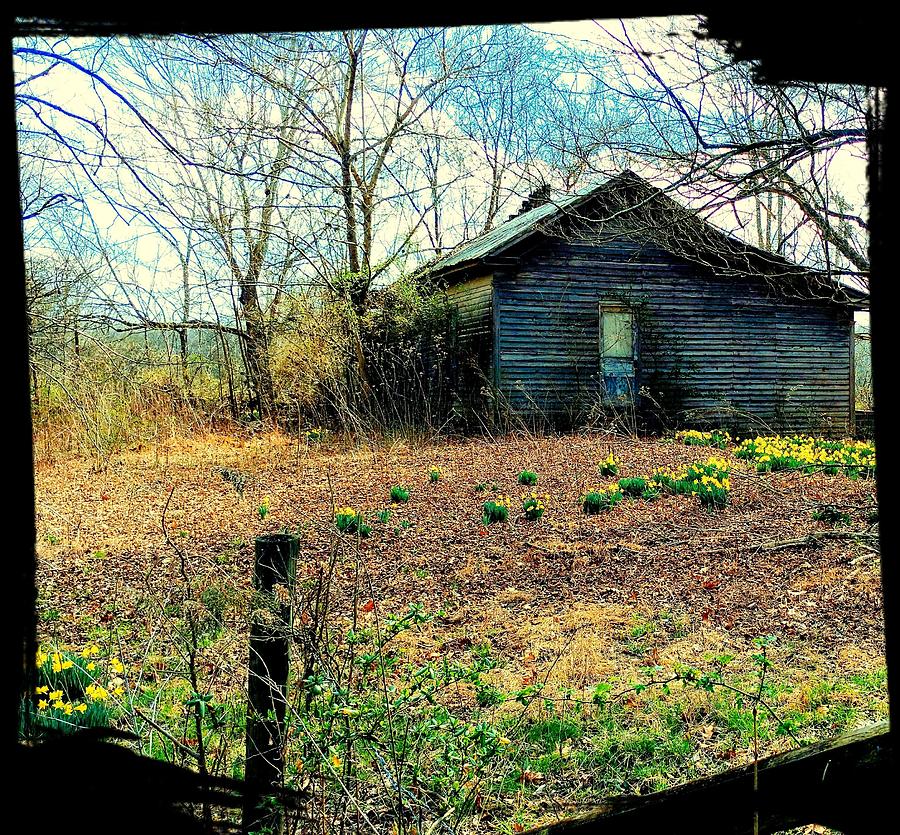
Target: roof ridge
(707, 238)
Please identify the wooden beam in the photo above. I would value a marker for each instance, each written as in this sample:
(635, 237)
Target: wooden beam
(846, 783)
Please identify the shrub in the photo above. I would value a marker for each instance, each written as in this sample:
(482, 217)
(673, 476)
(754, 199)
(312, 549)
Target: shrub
(489, 696)
(346, 726)
(527, 477)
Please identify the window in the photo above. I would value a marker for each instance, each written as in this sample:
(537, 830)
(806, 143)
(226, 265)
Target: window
(616, 333)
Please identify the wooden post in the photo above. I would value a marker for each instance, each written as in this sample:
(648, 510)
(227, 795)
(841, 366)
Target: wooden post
(276, 560)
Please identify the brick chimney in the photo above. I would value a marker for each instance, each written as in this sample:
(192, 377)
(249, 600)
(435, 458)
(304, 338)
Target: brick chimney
(537, 198)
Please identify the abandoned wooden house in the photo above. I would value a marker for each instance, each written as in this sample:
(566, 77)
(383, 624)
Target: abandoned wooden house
(620, 300)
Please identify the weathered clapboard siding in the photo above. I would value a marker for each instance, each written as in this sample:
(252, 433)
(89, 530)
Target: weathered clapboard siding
(474, 329)
(705, 342)
(473, 302)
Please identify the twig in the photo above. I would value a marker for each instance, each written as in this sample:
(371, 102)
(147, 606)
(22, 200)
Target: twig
(189, 751)
(815, 538)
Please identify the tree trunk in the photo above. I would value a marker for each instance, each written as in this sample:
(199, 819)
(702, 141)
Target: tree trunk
(183, 351)
(186, 315)
(256, 352)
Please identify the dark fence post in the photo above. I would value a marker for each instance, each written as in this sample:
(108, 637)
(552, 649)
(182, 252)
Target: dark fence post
(276, 560)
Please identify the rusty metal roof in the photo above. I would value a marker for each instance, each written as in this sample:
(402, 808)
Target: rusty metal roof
(512, 231)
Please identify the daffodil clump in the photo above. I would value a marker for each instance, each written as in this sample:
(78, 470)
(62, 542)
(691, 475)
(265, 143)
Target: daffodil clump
(348, 520)
(694, 437)
(596, 499)
(527, 477)
(75, 689)
(435, 474)
(673, 481)
(831, 515)
(495, 510)
(399, 494)
(315, 435)
(712, 491)
(609, 466)
(709, 481)
(637, 488)
(856, 459)
(533, 505)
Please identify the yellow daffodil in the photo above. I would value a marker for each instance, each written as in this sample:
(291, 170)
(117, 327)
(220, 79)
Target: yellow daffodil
(97, 692)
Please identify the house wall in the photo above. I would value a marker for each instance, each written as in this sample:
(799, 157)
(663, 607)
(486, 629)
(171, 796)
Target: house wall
(722, 349)
(473, 348)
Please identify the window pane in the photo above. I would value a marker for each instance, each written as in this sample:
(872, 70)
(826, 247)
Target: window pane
(618, 339)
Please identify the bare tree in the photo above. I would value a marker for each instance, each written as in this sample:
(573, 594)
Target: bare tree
(765, 157)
